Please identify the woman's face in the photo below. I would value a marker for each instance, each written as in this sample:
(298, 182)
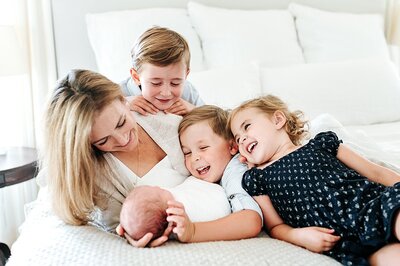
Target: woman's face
(114, 128)
(162, 85)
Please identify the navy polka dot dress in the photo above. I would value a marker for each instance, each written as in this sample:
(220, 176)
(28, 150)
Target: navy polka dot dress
(311, 187)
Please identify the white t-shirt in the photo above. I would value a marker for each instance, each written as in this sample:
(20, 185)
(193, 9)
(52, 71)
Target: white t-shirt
(203, 201)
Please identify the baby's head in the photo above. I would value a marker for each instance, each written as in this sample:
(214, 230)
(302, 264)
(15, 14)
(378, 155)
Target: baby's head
(160, 65)
(206, 143)
(144, 211)
(260, 125)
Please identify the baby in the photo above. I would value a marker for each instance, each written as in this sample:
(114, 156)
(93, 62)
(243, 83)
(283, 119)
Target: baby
(144, 210)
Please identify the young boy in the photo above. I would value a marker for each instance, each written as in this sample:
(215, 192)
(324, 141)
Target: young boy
(209, 149)
(161, 63)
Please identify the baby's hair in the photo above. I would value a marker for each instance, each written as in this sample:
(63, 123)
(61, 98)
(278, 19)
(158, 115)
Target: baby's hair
(161, 47)
(141, 214)
(296, 126)
(216, 117)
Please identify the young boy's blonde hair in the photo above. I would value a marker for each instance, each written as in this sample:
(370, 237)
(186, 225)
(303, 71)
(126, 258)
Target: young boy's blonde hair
(296, 126)
(161, 47)
(216, 117)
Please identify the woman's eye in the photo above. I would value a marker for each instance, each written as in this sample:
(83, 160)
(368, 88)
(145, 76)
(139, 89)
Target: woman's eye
(102, 143)
(121, 124)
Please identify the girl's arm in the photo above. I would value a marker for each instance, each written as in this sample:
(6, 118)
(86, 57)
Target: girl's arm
(237, 225)
(317, 239)
(364, 167)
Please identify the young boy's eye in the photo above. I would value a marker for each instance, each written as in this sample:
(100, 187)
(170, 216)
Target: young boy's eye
(175, 84)
(204, 147)
(186, 153)
(156, 83)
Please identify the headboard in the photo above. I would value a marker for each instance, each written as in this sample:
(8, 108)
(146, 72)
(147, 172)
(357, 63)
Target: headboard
(72, 45)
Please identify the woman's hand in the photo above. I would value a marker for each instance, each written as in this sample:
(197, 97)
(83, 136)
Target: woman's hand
(141, 105)
(317, 239)
(180, 107)
(146, 239)
(182, 226)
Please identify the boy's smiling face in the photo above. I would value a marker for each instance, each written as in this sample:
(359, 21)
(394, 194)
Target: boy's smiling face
(206, 153)
(161, 85)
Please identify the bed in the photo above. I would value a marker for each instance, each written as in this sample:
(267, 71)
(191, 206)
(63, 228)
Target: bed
(342, 77)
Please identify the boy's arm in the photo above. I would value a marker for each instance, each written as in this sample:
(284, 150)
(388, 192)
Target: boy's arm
(364, 167)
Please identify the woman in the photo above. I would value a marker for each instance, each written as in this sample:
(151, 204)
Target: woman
(97, 150)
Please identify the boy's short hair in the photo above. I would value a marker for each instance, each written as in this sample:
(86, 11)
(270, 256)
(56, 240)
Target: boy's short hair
(161, 47)
(217, 119)
(142, 214)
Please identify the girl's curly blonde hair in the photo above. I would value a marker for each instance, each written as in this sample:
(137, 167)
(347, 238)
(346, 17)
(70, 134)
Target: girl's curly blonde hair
(296, 126)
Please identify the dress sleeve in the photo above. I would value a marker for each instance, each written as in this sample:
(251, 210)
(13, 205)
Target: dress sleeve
(328, 141)
(251, 182)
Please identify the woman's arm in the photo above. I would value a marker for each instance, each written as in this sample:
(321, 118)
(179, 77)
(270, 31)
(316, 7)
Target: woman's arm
(237, 225)
(316, 239)
(364, 167)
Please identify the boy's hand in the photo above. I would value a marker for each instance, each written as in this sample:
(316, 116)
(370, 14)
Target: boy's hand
(141, 105)
(317, 239)
(182, 226)
(146, 239)
(180, 107)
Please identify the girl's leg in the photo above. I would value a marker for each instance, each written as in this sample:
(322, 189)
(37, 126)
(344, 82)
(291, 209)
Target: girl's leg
(387, 255)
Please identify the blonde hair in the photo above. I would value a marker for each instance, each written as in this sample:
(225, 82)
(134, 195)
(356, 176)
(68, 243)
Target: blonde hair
(216, 117)
(161, 47)
(295, 126)
(75, 168)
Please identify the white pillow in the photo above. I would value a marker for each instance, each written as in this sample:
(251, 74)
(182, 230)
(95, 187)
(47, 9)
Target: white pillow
(112, 35)
(356, 92)
(332, 36)
(227, 87)
(235, 37)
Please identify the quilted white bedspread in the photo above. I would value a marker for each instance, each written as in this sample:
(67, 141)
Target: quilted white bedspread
(46, 240)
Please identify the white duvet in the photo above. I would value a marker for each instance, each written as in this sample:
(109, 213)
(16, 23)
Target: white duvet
(46, 240)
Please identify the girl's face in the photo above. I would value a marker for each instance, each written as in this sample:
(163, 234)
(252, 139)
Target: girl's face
(257, 135)
(114, 128)
(206, 153)
(161, 85)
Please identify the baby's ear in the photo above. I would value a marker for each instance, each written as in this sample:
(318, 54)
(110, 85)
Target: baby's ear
(279, 119)
(233, 147)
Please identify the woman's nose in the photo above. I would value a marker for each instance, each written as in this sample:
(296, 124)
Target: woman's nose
(122, 138)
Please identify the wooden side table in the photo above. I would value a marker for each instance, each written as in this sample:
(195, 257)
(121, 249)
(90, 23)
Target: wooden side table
(19, 164)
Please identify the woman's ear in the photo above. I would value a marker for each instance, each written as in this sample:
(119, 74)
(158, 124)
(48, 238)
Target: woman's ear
(233, 147)
(135, 76)
(279, 119)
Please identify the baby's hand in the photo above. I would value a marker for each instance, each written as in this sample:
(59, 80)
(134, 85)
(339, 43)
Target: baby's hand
(141, 105)
(146, 239)
(317, 239)
(182, 226)
(180, 107)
